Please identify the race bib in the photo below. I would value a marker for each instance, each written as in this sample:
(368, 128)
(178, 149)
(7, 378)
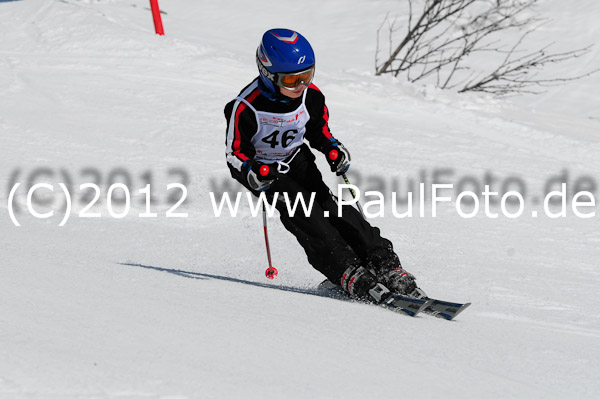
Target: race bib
(279, 135)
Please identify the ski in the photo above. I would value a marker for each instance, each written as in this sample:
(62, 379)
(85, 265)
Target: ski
(409, 305)
(438, 308)
(444, 309)
(397, 303)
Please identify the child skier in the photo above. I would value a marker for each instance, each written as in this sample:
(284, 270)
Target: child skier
(267, 125)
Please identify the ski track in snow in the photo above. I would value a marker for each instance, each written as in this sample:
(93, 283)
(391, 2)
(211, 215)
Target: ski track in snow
(179, 307)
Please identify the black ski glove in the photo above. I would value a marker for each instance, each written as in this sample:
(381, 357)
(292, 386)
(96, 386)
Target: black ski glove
(259, 176)
(338, 157)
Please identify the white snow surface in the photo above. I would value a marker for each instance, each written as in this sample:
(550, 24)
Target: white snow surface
(180, 308)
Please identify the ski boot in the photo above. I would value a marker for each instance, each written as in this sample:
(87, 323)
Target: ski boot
(402, 282)
(362, 284)
(385, 264)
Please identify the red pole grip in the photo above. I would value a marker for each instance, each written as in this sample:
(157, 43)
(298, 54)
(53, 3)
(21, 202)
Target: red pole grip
(333, 154)
(264, 170)
(158, 26)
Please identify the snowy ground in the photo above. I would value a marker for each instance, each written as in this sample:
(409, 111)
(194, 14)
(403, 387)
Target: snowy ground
(179, 307)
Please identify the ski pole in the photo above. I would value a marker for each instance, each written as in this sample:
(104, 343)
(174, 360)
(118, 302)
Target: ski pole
(354, 196)
(271, 272)
(333, 154)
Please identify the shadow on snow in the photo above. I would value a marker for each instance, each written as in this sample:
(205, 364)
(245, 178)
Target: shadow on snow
(205, 276)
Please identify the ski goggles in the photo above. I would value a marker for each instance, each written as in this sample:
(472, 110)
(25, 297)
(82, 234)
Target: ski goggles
(292, 81)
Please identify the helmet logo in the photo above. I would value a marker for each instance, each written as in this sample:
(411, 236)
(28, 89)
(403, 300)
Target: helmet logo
(264, 71)
(301, 59)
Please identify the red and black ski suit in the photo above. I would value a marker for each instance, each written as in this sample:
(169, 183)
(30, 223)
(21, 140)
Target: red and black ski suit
(274, 133)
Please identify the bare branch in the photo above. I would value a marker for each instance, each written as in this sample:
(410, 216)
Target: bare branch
(445, 33)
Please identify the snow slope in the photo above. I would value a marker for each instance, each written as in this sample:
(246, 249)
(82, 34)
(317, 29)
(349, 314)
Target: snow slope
(179, 307)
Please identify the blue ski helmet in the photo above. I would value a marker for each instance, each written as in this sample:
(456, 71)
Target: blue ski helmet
(282, 51)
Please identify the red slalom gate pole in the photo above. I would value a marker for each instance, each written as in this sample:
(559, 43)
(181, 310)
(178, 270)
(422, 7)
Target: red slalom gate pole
(158, 26)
